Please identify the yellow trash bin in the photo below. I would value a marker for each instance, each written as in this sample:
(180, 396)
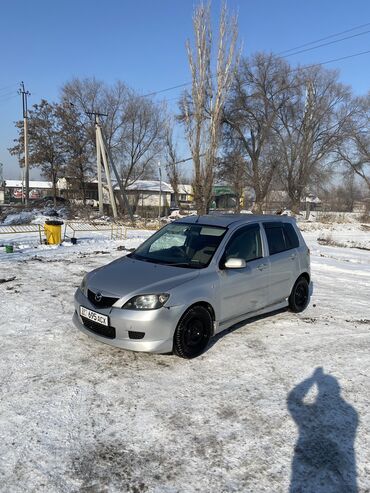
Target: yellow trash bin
(53, 232)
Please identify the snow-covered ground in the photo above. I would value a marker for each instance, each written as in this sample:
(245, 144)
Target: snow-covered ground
(80, 416)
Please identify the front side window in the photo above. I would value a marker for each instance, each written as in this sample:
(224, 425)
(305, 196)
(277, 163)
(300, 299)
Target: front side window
(245, 244)
(181, 245)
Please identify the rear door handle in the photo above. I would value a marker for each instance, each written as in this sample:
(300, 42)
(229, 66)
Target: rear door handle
(262, 266)
(293, 256)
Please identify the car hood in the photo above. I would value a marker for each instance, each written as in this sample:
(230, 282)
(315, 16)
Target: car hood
(126, 276)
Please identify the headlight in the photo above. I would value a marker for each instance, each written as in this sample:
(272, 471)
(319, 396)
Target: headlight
(147, 302)
(83, 285)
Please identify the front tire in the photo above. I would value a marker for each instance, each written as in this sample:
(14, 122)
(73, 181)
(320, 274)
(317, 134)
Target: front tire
(193, 333)
(299, 297)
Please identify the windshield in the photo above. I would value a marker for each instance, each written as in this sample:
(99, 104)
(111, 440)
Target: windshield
(181, 245)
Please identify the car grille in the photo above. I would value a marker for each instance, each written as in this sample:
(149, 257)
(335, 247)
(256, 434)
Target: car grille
(104, 302)
(102, 330)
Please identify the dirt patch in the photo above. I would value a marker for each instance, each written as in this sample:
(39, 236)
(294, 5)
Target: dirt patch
(351, 244)
(116, 467)
(7, 279)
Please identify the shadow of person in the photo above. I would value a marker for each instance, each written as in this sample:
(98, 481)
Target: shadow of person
(324, 455)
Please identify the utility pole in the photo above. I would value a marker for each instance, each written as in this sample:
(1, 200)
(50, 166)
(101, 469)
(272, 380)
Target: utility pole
(307, 128)
(102, 152)
(160, 192)
(107, 172)
(101, 155)
(124, 203)
(25, 95)
(98, 164)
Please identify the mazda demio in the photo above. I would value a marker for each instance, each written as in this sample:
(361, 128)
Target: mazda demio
(194, 278)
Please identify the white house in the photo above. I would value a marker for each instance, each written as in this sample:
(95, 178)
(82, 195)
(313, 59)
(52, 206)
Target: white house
(14, 189)
(145, 196)
(185, 195)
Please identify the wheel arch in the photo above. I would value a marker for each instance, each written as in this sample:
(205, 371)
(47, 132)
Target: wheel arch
(204, 304)
(306, 276)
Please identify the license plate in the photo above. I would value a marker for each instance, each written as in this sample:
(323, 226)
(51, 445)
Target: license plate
(95, 317)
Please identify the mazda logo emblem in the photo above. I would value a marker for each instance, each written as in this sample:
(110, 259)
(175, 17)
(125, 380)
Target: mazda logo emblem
(98, 297)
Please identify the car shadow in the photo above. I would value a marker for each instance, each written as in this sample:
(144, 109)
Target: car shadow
(324, 455)
(242, 323)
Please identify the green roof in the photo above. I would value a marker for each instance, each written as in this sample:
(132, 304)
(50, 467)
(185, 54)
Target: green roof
(222, 190)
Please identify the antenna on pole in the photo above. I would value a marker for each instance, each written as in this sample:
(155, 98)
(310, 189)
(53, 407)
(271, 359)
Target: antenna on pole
(25, 95)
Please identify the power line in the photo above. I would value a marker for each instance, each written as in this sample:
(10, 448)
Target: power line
(179, 86)
(303, 67)
(334, 60)
(4, 88)
(154, 93)
(8, 98)
(185, 84)
(6, 94)
(328, 43)
(324, 39)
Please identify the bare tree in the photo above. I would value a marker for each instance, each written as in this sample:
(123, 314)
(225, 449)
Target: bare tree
(310, 125)
(259, 91)
(133, 126)
(232, 169)
(77, 147)
(201, 108)
(172, 161)
(354, 150)
(341, 197)
(45, 143)
(142, 138)
(85, 95)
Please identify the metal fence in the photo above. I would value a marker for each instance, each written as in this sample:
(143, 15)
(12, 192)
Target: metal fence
(22, 228)
(117, 231)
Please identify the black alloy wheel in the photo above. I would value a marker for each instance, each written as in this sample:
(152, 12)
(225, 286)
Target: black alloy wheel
(299, 297)
(193, 332)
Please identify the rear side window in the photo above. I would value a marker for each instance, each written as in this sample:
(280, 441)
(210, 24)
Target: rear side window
(280, 237)
(291, 236)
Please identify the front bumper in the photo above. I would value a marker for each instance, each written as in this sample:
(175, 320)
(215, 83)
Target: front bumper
(158, 326)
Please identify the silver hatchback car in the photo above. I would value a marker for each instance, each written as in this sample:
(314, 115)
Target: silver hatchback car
(194, 278)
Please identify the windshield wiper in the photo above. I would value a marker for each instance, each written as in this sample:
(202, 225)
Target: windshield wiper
(184, 264)
(164, 262)
(143, 259)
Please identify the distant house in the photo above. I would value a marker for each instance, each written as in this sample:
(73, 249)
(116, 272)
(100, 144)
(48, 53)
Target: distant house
(147, 196)
(279, 199)
(185, 197)
(362, 206)
(224, 197)
(144, 196)
(313, 201)
(14, 190)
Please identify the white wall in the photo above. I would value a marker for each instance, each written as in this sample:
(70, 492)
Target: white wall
(151, 199)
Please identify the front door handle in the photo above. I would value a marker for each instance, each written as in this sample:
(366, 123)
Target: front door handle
(262, 266)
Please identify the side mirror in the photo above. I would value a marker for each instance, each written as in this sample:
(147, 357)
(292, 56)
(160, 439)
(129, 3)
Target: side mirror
(235, 263)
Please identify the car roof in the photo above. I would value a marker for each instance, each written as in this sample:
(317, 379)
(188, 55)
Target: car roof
(226, 220)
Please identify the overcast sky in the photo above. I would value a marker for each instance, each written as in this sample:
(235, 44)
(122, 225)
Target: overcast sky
(142, 42)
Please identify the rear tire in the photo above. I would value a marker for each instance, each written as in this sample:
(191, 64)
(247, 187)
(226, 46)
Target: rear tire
(300, 295)
(193, 333)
